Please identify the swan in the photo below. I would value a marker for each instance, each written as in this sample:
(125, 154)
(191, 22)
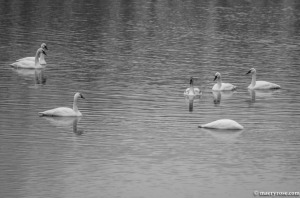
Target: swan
(192, 91)
(223, 124)
(27, 64)
(64, 111)
(219, 86)
(260, 84)
(41, 59)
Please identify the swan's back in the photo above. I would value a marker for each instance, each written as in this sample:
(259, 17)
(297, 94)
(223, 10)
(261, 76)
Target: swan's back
(60, 111)
(26, 59)
(189, 92)
(41, 60)
(264, 85)
(223, 124)
(224, 87)
(25, 64)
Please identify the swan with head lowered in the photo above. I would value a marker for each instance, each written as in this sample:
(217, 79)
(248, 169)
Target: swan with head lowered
(220, 86)
(223, 124)
(28, 64)
(192, 91)
(65, 111)
(42, 56)
(260, 84)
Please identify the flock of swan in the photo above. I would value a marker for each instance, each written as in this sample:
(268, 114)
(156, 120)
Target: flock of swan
(220, 86)
(38, 62)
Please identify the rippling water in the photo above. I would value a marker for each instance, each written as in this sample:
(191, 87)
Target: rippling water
(139, 136)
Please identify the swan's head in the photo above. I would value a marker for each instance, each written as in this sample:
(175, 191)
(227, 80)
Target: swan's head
(79, 95)
(251, 71)
(40, 50)
(44, 46)
(217, 76)
(191, 80)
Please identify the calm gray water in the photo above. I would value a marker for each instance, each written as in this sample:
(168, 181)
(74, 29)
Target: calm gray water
(139, 136)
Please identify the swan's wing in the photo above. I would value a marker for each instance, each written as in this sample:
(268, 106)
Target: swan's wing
(228, 86)
(24, 64)
(186, 92)
(215, 87)
(197, 91)
(60, 111)
(27, 59)
(266, 85)
(194, 91)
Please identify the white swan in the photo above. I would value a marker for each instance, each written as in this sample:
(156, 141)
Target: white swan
(65, 111)
(219, 86)
(223, 124)
(192, 91)
(41, 59)
(27, 64)
(260, 84)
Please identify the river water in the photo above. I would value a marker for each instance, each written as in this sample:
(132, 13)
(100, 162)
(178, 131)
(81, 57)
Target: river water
(139, 136)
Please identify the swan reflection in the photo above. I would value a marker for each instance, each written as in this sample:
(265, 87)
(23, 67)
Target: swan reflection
(190, 99)
(261, 94)
(227, 136)
(66, 122)
(221, 95)
(37, 74)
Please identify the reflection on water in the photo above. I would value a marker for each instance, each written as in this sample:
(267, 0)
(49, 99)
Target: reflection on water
(66, 122)
(40, 77)
(262, 94)
(191, 99)
(36, 75)
(224, 135)
(221, 95)
(138, 137)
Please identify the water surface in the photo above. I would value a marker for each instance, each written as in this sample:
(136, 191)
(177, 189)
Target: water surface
(139, 135)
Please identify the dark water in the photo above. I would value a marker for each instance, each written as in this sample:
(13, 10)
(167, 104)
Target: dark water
(139, 136)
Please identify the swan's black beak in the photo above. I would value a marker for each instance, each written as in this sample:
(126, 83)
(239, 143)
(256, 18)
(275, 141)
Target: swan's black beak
(215, 78)
(46, 47)
(82, 96)
(191, 81)
(44, 52)
(248, 72)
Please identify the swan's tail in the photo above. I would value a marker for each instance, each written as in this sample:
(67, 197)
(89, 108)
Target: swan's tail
(14, 65)
(277, 87)
(41, 114)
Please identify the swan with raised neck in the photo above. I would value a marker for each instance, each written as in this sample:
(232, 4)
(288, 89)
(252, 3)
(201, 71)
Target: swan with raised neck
(260, 84)
(65, 111)
(28, 64)
(220, 86)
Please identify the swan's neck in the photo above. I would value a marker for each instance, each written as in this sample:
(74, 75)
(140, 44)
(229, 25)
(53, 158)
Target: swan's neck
(42, 57)
(37, 62)
(219, 82)
(75, 108)
(192, 87)
(253, 82)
